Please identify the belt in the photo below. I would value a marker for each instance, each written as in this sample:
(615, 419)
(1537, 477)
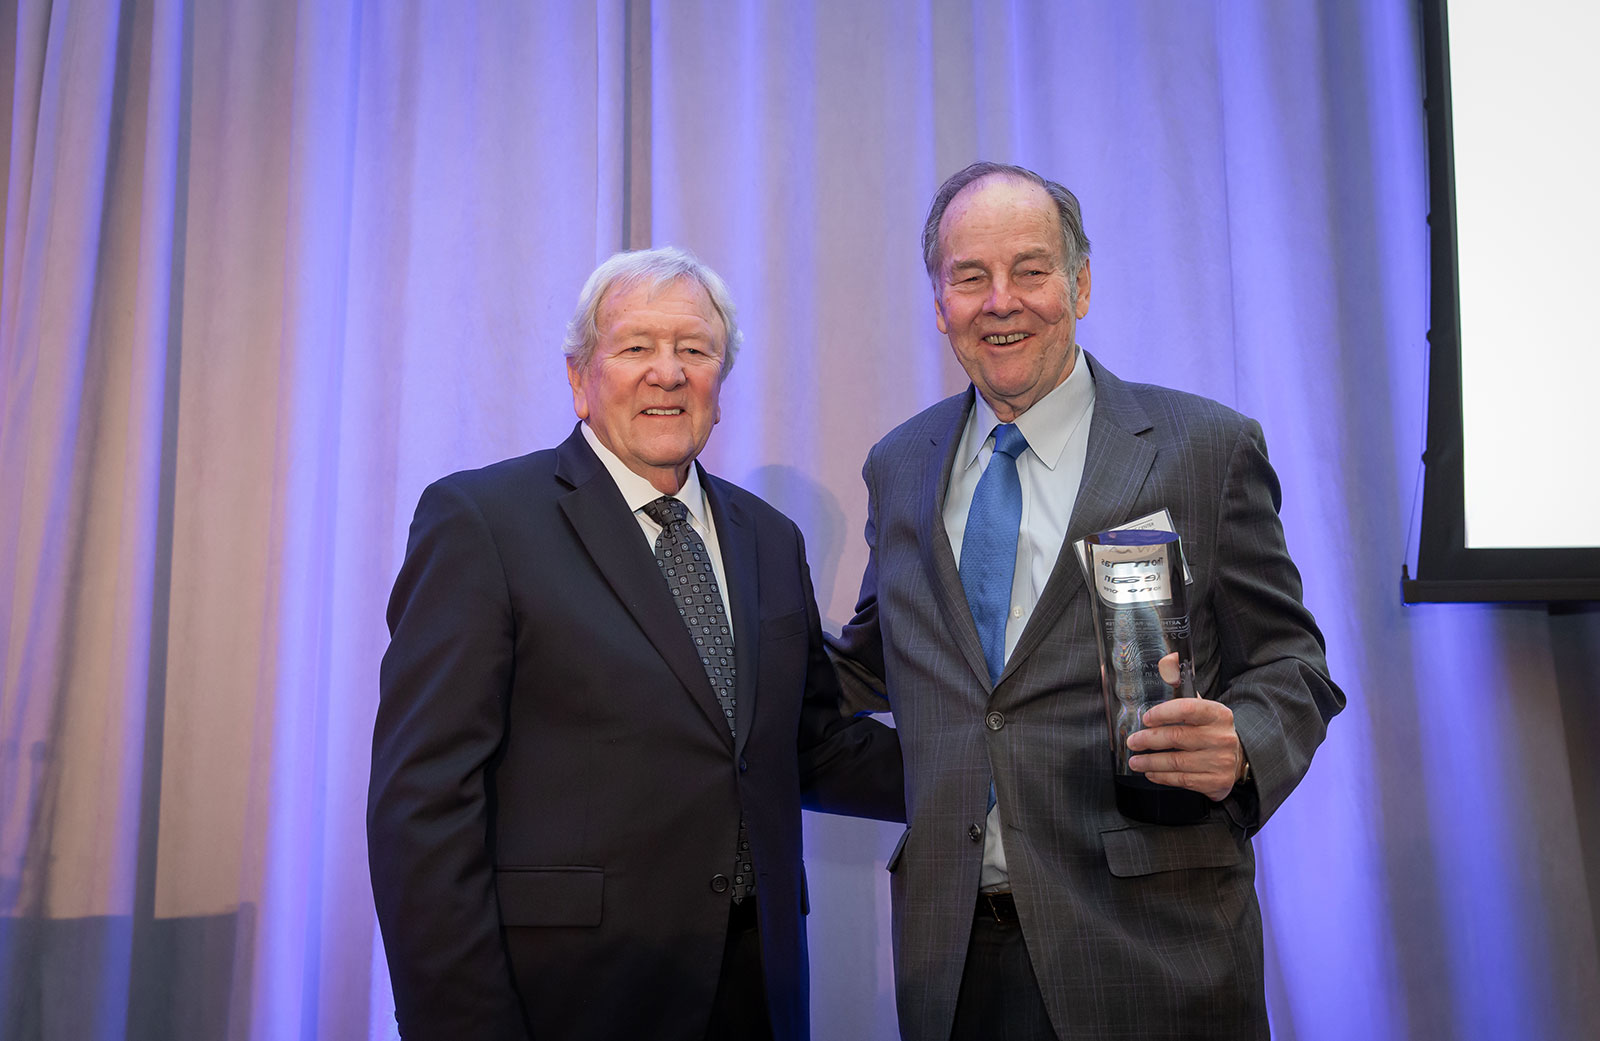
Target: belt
(998, 906)
(742, 915)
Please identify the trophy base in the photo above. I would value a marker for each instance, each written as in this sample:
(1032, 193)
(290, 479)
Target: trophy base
(1144, 800)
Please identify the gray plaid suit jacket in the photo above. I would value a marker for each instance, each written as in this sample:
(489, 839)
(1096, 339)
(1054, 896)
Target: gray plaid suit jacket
(1134, 931)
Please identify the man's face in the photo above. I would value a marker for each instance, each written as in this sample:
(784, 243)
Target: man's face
(650, 391)
(1002, 295)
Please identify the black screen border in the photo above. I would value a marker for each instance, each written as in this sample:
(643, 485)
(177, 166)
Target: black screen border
(1447, 571)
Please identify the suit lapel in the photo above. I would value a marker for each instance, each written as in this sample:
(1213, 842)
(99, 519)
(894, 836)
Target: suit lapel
(1114, 470)
(1118, 461)
(611, 535)
(736, 536)
(944, 574)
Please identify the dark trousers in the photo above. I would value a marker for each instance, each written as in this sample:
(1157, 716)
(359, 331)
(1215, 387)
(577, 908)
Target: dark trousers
(739, 1011)
(999, 998)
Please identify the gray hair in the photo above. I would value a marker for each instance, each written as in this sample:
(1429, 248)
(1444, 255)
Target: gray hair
(655, 268)
(1074, 243)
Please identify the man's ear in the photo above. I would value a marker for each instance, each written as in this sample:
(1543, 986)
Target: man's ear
(1083, 289)
(938, 312)
(580, 400)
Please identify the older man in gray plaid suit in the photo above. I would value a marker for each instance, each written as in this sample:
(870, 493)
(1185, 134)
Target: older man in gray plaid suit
(1025, 905)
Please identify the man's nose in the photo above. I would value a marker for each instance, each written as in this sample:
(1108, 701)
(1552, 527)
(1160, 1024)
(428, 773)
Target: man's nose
(1001, 300)
(665, 369)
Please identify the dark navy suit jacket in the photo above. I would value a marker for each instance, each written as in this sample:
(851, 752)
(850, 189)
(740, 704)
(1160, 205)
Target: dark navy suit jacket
(555, 793)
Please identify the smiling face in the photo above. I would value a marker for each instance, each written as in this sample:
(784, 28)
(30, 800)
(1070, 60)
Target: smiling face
(1002, 294)
(649, 392)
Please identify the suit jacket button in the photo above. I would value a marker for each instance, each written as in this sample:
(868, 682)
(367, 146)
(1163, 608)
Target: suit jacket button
(719, 883)
(743, 766)
(994, 721)
(975, 833)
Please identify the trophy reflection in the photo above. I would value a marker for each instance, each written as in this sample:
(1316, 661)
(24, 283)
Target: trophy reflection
(1140, 615)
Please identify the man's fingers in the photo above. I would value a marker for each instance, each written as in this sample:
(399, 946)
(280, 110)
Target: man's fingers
(1187, 712)
(1187, 743)
(1213, 786)
(1210, 772)
(1177, 738)
(1209, 761)
(1168, 666)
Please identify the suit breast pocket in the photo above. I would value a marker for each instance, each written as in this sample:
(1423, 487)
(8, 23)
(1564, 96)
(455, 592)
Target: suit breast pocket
(785, 625)
(550, 896)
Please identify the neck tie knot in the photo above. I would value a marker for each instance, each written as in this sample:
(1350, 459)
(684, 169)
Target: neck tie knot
(1009, 440)
(666, 511)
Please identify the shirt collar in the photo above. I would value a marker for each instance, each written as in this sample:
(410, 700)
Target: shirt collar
(637, 491)
(1047, 425)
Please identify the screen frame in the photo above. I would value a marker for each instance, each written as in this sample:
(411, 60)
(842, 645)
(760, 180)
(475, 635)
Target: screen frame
(1448, 571)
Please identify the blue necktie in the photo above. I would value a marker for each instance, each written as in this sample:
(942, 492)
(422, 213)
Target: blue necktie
(989, 546)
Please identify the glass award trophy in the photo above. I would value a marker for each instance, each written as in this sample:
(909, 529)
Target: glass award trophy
(1140, 615)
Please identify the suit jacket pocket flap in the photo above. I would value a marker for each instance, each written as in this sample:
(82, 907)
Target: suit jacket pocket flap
(551, 896)
(1145, 851)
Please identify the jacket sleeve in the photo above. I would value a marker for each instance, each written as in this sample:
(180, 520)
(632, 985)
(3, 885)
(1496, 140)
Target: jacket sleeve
(1273, 671)
(849, 764)
(443, 691)
(857, 652)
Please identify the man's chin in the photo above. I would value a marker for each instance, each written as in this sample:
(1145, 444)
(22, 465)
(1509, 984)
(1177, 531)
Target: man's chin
(675, 453)
(676, 457)
(1017, 395)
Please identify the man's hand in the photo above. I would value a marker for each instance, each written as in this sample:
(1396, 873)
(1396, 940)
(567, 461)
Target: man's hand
(1188, 742)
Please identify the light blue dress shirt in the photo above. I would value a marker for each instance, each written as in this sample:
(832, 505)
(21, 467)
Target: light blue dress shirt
(1057, 429)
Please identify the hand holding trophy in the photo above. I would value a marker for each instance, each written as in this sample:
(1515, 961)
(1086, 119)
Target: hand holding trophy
(1141, 616)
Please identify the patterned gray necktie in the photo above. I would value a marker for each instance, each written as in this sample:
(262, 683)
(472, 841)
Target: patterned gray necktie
(686, 566)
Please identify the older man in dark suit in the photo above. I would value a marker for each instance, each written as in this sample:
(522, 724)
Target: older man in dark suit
(604, 702)
(975, 621)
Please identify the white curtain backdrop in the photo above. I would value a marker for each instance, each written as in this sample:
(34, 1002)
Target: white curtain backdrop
(269, 268)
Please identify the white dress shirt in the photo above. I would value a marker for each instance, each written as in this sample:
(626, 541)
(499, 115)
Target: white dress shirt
(1057, 429)
(637, 491)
